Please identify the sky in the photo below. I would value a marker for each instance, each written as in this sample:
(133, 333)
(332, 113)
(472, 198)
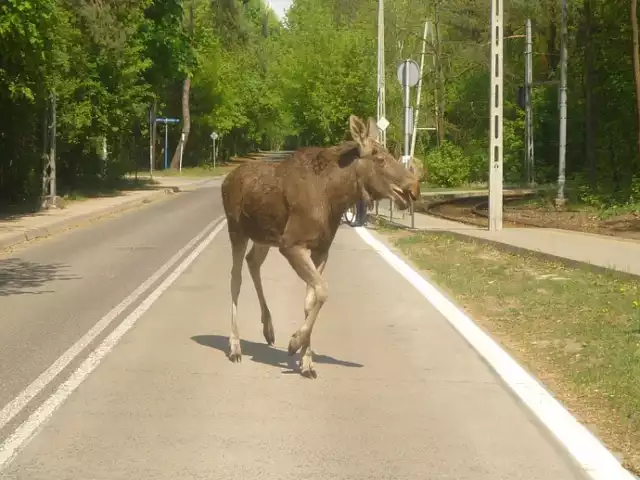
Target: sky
(279, 6)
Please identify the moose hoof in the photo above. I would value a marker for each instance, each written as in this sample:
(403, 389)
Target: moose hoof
(295, 343)
(269, 334)
(235, 354)
(306, 367)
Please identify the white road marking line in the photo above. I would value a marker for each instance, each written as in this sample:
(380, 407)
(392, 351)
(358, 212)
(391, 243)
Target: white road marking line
(16, 405)
(597, 461)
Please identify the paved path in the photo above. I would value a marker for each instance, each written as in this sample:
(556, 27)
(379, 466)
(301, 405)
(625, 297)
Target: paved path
(399, 395)
(604, 251)
(16, 229)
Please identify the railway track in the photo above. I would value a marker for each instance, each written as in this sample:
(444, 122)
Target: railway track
(473, 209)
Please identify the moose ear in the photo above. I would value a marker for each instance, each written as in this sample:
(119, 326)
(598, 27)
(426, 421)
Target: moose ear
(361, 135)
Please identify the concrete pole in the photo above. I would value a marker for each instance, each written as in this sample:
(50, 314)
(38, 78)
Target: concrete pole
(495, 142)
(531, 178)
(560, 199)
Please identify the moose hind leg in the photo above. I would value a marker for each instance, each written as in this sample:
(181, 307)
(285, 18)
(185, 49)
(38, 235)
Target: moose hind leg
(238, 248)
(255, 259)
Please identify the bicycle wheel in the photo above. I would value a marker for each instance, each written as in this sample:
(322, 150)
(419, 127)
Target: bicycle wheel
(350, 215)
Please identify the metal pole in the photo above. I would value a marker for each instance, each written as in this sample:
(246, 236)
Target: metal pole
(181, 149)
(495, 142)
(155, 131)
(214, 153)
(418, 94)
(54, 129)
(381, 80)
(407, 112)
(560, 199)
(152, 126)
(166, 143)
(381, 76)
(529, 105)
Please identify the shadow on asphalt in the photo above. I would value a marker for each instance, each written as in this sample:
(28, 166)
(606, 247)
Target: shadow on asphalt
(18, 277)
(263, 353)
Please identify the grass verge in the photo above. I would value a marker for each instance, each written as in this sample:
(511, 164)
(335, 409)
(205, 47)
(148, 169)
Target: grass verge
(200, 171)
(576, 330)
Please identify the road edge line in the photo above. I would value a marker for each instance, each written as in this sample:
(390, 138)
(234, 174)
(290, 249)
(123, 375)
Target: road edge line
(591, 454)
(30, 427)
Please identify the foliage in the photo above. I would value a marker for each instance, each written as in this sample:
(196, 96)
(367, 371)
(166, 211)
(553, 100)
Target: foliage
(266, 84)
(449, 166)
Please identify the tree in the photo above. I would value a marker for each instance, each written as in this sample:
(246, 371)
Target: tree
(636, 60)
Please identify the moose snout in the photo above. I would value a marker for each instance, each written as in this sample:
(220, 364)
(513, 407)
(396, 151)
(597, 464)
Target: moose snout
(414, 189)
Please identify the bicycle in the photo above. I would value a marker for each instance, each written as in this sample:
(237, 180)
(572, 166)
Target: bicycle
(349, 216)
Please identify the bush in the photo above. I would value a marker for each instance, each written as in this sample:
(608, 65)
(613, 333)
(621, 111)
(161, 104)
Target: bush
(448, 166)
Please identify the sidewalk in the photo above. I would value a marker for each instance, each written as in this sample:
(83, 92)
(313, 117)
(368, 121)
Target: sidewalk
(602, 251)
(399, 394)
(17, 229)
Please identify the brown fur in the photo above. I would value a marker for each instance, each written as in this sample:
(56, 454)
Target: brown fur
(296, 205)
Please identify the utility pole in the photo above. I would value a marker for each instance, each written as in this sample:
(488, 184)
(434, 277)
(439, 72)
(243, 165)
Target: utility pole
(52, 155)
(495, 119)
(531, 177)
(418, 94)
(560, 199)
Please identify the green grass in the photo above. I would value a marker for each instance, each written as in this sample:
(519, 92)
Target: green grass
(199, 171)
(578, 331)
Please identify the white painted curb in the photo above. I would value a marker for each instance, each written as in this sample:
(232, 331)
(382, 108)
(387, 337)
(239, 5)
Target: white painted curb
(596, 460)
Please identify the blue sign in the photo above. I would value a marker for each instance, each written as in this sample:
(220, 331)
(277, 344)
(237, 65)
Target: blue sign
(167, 120)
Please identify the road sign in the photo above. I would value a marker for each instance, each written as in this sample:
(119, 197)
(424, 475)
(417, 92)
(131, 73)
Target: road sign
(213, 135)
(167, 120)
(383, 123)
(413, 70)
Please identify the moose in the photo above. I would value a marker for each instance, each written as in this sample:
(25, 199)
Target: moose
(296, 205)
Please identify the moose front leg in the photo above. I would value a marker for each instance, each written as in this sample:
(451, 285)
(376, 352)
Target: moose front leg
(302, 262)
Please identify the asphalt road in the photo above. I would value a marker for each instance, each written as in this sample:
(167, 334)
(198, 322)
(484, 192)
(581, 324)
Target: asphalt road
(52, 292)
(399, 394)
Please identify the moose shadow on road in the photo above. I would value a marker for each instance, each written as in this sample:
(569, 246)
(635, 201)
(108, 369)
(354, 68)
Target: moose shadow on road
(20, 277)
(263, 353)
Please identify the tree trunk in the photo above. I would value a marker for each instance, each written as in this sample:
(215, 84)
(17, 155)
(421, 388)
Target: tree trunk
(636, 60)
(186, 125)
(186, 91)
